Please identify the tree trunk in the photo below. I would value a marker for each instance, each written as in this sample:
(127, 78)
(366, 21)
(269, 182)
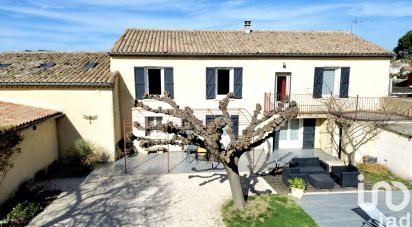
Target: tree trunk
(237, 193)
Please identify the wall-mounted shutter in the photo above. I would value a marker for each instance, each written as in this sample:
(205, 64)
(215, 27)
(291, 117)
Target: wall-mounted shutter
(344, 82)
(318, 81)
(139, 85)
(235, 125)
(210, 83)
(169, 86)
(238, 82)
(209, 118)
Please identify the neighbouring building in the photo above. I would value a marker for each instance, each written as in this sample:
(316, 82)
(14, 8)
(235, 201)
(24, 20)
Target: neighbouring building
(269, 67)
(80, 85)
(39, 147)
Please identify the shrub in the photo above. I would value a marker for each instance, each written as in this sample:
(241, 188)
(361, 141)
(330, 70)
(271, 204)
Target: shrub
(23, 212)
(84, 152)
(374, 168)
(297, 182)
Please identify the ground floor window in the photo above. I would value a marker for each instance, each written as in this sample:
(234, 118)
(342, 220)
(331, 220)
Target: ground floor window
(290, 131)
(151, 122)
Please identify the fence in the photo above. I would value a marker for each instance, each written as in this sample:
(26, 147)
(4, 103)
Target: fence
(309, 105)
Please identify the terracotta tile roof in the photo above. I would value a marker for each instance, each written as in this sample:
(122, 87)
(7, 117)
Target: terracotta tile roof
(16, 115)
(239, 43)
(26, 69)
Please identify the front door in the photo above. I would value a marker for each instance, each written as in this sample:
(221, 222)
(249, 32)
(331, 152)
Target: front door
(309, 133)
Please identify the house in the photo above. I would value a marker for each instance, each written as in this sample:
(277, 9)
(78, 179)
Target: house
(402, 86)
(198, 68)
(80, 85)
(39, 147)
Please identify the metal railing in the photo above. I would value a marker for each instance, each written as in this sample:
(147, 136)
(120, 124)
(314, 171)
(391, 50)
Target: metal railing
(309, 105)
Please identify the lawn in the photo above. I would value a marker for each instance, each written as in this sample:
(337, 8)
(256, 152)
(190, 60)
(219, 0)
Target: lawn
(267, 210)
(374, 173)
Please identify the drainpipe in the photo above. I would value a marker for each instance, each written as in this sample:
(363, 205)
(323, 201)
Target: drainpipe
(340, 142)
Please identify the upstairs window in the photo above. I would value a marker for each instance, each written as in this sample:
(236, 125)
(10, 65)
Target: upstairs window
(331, 81)
(223, 81)
(154, 82)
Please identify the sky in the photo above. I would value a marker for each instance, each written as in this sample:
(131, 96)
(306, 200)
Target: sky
(94, 25)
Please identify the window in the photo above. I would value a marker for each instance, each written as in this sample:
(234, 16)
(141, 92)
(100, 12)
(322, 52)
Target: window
(233, 118)
(290, 131)
(330, 83)
(154, 82)
(223, 81)
(90, 65)
(47, 65)
(151, 122)
(4, 65)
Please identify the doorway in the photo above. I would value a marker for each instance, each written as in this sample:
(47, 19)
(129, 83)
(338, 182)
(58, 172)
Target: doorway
(282, 86)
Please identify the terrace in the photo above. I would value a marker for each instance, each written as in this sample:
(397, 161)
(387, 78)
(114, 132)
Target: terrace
(360, 108)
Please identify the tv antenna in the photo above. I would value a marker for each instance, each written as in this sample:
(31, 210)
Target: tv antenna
(354, 23)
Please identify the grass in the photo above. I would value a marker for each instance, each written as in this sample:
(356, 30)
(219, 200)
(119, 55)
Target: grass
(372, 178)
(374, 172)
(267, 210)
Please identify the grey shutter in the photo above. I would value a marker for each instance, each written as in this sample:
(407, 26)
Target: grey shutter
(209, 118)
(318, 81)
(139, 85)
(344, 82)
(276, 141)
(210, 83)
(168, 74)
(238, 82)
(235, 125)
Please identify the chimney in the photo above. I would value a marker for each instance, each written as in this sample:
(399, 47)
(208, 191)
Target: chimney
(248, 25)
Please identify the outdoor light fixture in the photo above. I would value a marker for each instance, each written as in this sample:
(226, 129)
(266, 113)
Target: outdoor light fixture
(284, 65)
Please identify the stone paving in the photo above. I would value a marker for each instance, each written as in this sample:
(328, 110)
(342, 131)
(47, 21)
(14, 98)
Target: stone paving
(335, 209)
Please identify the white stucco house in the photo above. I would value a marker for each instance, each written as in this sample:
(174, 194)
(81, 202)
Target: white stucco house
(199, 67)
(96, 91)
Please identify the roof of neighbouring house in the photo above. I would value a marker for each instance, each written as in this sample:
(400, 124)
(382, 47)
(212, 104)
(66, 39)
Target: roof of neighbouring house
(55, 69)
(16, 115)
(239, 43)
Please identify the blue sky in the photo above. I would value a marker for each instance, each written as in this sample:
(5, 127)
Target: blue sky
(94, 25)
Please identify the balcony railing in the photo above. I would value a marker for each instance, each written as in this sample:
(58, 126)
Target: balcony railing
(396, 108)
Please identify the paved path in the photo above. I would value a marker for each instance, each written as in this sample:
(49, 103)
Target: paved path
(111, 198)
(334, 209)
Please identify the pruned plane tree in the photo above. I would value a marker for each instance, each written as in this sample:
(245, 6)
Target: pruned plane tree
(194, 131)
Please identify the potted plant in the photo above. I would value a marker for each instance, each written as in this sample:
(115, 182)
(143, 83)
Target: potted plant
(297, 187)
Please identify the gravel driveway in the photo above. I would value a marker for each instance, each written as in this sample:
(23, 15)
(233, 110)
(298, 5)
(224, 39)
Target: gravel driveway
(182, 199)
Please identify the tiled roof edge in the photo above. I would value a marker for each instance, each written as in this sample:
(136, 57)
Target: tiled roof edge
(386, 55)
(34, 84)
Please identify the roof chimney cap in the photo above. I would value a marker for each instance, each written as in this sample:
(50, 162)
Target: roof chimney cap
(248, 25)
